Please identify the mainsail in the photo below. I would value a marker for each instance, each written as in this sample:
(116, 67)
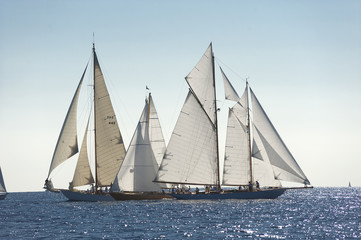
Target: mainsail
(2, 184)
(110, 150)
(140, 165)
(156, 136)
(192, 153)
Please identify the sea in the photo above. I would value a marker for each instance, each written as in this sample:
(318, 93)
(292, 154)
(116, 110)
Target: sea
(318, 213)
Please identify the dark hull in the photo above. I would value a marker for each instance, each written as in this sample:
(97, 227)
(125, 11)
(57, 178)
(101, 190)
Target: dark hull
(2, 196)
(264, 194)
(87, 197)
(139, 196)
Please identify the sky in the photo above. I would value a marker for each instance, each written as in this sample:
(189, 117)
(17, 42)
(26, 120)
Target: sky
(301, 58)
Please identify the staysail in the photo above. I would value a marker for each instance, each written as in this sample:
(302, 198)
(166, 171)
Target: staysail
(192, 153)
(110, 150)
(83, 175)
(139, 167)
(2, 184)
(67, 144)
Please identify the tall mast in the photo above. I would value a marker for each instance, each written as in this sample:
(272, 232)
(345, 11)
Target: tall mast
(149, 97)
(216, 122)
(249, 136)
(95, 119)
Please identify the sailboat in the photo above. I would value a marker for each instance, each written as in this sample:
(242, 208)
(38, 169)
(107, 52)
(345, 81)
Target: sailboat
(192, 155)
(109, 150)
(134, 180)
(3, 192)
(349, 184)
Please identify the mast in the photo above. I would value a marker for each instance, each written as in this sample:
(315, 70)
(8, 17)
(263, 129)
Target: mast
(249, 136)
(95, 119)
(216, 122)
(149, 97)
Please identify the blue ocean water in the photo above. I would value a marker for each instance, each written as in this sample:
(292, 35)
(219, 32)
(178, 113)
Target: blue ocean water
(319, 213)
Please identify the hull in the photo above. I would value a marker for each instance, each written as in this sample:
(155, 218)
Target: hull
(264, 194)
(87, 197)
(139, 196)
(2, 196)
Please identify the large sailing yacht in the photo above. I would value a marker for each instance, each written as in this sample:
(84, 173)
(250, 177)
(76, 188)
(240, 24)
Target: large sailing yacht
(192, 155)
(109, 150)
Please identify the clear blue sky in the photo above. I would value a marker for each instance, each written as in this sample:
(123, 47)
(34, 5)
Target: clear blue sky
(302, 58)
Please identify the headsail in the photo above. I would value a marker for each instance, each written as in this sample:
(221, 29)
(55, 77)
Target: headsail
(83, 175)
(229, 91)
(2, 184)
(139, 167)
(270, 160)
(67, 144)
(192, 153)
(110, 150)
(284, 165)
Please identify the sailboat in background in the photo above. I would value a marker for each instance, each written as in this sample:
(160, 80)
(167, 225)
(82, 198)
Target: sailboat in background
(3, 192)
(134, 180)
(109, 147)
(192, 155)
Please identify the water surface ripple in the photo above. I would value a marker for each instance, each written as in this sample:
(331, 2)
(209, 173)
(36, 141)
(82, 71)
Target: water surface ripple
(319, 213)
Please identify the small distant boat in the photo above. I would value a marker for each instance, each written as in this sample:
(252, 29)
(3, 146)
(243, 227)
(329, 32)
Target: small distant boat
(254, 150)
(349, 184)
(3, 192)
(134, 180)
(109, 150)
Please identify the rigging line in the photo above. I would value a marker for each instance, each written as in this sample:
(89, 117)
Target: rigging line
(222, 63)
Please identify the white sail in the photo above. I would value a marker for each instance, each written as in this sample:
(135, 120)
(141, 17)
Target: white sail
(110, 148)
(2, 184)
(139, 167)
(236, 169)
(191, 154)
(263, 171)
(284, 165)
(83, 174)
(230, 93)
(67, 144)
(155, 133)
(201, 81)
